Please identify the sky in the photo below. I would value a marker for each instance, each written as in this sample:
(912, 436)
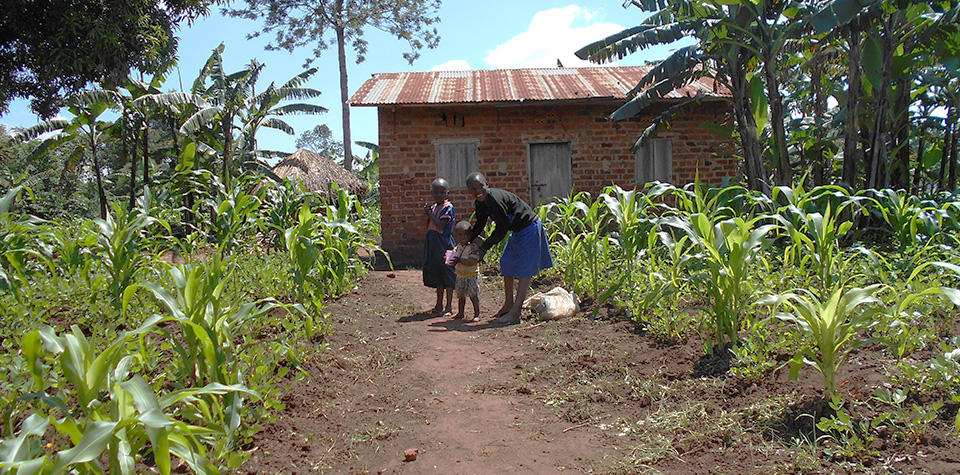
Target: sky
(489, 34)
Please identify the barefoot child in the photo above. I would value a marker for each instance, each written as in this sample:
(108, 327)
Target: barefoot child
(439, 218)
(467, 258)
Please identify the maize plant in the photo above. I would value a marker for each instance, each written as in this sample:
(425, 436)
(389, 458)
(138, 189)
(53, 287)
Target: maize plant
(833, 326)
(93, 412)
(119, 247)
(727, 249)
(20, 253)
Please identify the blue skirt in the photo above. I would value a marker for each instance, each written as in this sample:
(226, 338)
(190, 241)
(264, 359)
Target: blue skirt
(436, 273)
(526, 253)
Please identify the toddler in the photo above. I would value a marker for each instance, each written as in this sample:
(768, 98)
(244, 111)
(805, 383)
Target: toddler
(467, 258)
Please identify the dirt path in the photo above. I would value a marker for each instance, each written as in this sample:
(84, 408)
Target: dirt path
(578, 396)
(420, 382)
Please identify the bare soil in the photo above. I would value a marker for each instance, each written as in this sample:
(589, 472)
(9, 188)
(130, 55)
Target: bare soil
(584, 395)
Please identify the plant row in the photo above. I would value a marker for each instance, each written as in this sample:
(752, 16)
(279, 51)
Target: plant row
(163, 335)
(799, 277)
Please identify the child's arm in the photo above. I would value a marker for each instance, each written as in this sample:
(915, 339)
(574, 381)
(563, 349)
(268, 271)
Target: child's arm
(440, 222)
(471, 256)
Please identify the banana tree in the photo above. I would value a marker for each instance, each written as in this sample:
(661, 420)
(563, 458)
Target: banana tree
(733, 39)
(888, 45)
(370, 168)
(86, 126)
(236, 112)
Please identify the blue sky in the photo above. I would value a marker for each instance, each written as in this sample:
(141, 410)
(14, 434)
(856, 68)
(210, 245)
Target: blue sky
(490, 34)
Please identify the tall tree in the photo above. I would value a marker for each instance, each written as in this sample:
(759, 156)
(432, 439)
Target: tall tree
(313, 22)
(320, 140)
(51, 49)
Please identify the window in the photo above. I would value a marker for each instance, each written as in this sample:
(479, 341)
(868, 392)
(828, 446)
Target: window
(654, 162)
(455, 161)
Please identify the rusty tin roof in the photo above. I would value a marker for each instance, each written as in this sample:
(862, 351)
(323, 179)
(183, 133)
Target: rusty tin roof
(514, 85)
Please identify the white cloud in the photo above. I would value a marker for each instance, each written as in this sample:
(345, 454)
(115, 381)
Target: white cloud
(553, 35)
(453, 65)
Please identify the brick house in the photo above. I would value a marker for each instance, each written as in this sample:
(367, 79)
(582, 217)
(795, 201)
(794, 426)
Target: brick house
(539, 133)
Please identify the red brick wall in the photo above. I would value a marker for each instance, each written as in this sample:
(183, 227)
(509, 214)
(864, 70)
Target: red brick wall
(600, 152)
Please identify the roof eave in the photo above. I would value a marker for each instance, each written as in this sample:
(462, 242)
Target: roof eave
(712, 98)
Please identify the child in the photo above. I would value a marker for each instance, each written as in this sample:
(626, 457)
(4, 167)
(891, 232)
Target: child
(467, 258)
(436, 273)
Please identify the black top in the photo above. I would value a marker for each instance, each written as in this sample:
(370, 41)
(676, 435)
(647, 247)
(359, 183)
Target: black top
(508, 211)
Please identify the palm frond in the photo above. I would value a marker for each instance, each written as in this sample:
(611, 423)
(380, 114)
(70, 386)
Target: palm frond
(277, 124)
(213, 68)
(662, 121)
(680, 67)
(660, 18)
(167, 99)
(199, 119)
(837, 13)
(301, 78)
(640, 37)
(51, 142)
(267, 154)
(102, 97)
(368, 145)
(297, 108)
(648, 97)
(649, 5)
(297, 93)
(946, 21)
(44, 127)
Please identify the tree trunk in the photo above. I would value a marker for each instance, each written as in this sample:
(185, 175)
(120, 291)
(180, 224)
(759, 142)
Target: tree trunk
(146, 154)
(345, 108)
(851, 152)
(752, 153)
(915, 189)
(133, 163)
(945, 156)
(877, 176)
(188, 218)
(96, 172)
(900, 166)
(821, 171)
(952, 148)
(225, 127)
(781, 158)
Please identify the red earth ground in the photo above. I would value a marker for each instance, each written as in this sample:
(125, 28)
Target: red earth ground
(583, 395)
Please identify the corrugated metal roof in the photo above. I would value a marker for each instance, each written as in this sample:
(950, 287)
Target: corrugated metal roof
(513, 85)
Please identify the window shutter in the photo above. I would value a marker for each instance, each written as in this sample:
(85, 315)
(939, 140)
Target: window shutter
(455, 161)
(654, 162)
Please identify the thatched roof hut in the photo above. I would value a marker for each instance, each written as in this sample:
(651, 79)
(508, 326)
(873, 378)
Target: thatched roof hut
(316, 172)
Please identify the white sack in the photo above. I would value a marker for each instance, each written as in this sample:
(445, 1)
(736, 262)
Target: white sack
(553, 305)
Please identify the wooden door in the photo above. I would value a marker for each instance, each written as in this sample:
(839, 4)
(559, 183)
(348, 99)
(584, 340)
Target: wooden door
(550, 175)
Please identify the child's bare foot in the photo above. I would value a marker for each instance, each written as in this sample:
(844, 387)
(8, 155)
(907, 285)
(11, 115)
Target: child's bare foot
(458, 316)
(475, 318)
(436, 310)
